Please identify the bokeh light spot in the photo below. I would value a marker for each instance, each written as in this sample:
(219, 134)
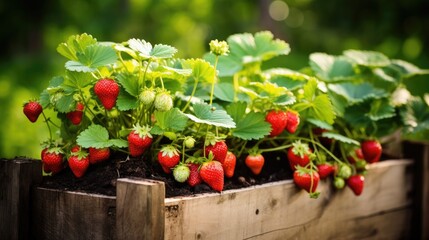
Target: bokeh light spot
(278, 10)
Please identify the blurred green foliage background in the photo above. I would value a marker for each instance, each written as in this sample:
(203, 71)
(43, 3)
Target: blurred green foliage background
(31, 31)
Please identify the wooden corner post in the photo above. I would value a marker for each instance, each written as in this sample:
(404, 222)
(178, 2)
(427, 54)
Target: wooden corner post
(17, 176)
(140, 209)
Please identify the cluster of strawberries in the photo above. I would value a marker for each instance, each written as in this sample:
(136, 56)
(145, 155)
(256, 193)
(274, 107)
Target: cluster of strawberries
(78, 159)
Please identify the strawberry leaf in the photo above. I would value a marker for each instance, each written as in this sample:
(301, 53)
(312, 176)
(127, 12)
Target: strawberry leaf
(97, 136)
(74, 44)
(93, 56)
(380, 109)
(65, 103)
(202, 71)
(315, 105)
(357, 93)
(330, 68)
(129, 82)
(320, 124)
(77, 79)
(203, 113)
(256, 48)
(236, 110)
(252, 126)
(145, 49)
(367, 58)
(171, 120)
(126, 101)
(224, 91)
(340, 138)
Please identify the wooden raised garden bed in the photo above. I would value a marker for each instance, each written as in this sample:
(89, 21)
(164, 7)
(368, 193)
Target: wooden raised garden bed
(276, 210)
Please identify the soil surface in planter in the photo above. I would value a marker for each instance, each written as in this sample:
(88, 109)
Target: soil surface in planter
(101, 178)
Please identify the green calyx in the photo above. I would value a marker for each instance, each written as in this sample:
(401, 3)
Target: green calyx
(300, 149)
(169, 151)
(142, 131)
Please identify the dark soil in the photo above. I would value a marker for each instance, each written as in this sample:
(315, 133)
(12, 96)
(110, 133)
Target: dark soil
(101, 178)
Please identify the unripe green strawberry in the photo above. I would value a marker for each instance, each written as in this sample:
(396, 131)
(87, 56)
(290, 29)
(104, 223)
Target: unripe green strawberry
(189, 142)
(168, 157)
(147, 97)
(79, 163)
(212, 174)
(107, 90)
(163, 102)
(339, 183)
(32, 110)
(345, 171)
(181, 173)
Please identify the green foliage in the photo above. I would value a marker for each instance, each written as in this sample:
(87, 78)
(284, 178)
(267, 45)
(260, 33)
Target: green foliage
(203, 113)
(97, 136)
(251, 125)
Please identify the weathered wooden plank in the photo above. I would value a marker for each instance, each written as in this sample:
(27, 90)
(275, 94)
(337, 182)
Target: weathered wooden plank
(267, 211)
(16, 178)
(72, 215)
(140, 209)
(419, 151)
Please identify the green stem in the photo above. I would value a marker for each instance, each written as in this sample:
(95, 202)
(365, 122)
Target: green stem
(275, 149)
(192, 95)
(49, 127)
(214, 80)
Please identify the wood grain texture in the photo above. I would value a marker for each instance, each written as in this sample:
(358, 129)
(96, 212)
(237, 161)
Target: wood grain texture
(72, 215)
(281, 211)
(16, 178)
(420, 152)
(140, 209)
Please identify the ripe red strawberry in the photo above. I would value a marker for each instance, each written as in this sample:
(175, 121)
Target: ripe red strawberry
(306, 179)
(325, 169)
(219, 150)
(278, 121)
(292, 121)
(229, 164)
(356, 183)
(371, 150)
(32, 110)
(139, 140)
(76, 116)
(212, 174)
(79, 163)
(52, 159)
(75, 148)
(194, 175)
(298, 154)
(52, 156)
(255, 162)
(168, 157)
(107, 90)
(97, 155)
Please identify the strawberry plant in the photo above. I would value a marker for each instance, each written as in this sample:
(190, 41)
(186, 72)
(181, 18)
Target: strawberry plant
(199, 119)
